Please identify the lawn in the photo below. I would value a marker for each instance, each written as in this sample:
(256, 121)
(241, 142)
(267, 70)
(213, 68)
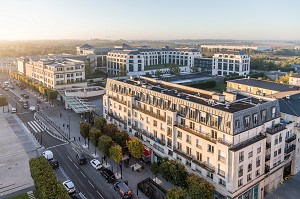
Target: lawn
(218, 87)
(159, 66)
(21, 196)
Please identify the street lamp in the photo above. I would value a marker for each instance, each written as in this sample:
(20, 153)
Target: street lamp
(69, 127)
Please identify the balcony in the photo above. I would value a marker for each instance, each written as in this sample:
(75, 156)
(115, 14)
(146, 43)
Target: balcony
(248, 142)
(289, 149)
(222, 159)
(204, 165)
(268, 157)
(224, 142)
(157, 140)
(119, 119)
(195, 132)
(290, 139)
(277, 128)
(162, 118)
(221, 173)
(268, 145)
(182, 153)
(118, 100)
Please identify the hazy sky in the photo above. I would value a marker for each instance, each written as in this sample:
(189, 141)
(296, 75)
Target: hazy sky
(149, 19)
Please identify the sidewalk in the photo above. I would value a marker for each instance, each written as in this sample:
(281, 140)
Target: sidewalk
(60, 117)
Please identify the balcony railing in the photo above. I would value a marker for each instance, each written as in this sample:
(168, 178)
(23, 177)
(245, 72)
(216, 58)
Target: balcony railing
(221, 173)
(268, 157)
(118, 100)
(204, 165)
(119, 119)
(220, 140)
(222, 159)
(290, 139)
(248, 142)
(157, 140)
(289, 149)
(205, 136)
(277, 128)
(147, 112)
(182, 153)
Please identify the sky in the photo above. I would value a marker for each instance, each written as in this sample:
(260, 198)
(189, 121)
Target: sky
(150, 19)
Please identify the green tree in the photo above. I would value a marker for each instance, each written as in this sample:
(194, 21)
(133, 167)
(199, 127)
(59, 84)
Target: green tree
(176, 193)
(84, 130)
(95, 135)
(135, 147)
(105, 144)
(285, 79)
(99, 122)
(174, 69)
(115, 153)
(3, 102)
(199, 188)
(158, 73)
(52, 95)
(174, 172)
(110, 130)
(121, 138)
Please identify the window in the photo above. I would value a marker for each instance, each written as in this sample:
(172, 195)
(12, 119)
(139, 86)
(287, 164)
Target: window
(222, 182)
(237, 124)
(275, 153)
(240, 182)
(250, 154)
(192, 125)
(273, 111)
(249, 167)
(198, 144)
(241, 156)
(210, 148)
(249, 177)
(257, 173)
(199, 156)
(279, 151)
(214, 134)
(255, 116)
(247, 121)
(258, 150)
(258, 161)
(179, 134)
(210, 175)
(179, 146)
(264, 115)
(214, 121)
(154, 123)
(241, 170)
(188, 151)
(188, 139)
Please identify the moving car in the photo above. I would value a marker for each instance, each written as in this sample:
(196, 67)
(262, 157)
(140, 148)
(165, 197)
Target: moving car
(123, 190)
(32, 108)
(25, 106)
(108, 174)
(96, 164)
(69, 186)
(81, 158)
(13, 110)
(54, 163)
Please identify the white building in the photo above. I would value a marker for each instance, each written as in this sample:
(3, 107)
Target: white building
(230, 62)
(137, 62)
(230, 47)
(294, 80)
(53, 73)
(297, 47)
(234, 141)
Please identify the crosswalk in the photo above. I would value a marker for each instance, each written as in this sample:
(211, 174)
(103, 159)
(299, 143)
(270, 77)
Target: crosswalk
(35, 126)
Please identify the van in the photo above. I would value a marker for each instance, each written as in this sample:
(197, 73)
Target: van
(123, 190)
(13, 110)
(48, 155)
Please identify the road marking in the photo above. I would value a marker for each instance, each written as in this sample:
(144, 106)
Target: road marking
(83, 174)
(32, 127)
(38, 126)
(75, 165)
(57, 146)
(35, 126)
(99, 194)
(91, 184)
(70, 159)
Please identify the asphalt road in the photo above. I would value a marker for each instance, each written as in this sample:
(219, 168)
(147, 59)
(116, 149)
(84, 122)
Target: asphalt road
(85, 178)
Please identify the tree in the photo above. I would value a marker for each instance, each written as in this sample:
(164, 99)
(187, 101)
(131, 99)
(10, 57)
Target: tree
(95, 135)
(121, 138)
(84, 130)
(285, 79)
(176, 193)
(104, 144)
(174, 69)
(158, 73)
(52, 94)
(110, 130)
(3, 102)
(199, 188)
(174, 172)
(135, 147)
(99, 122)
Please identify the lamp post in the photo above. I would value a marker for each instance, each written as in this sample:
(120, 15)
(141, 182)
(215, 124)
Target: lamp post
(69, 128)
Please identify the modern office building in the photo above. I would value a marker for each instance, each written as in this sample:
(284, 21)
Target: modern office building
(203, 64)
(231, 62)
(233, 47)
(237, 142)
(53, 73)
(131, 61)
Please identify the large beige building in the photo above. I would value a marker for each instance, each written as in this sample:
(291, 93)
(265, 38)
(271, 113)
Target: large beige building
(53, 73)
(237, 142)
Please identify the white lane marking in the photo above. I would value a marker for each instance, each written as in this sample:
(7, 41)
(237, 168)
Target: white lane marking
(82, 174)
(99, 194)
(75, 165)
(57, 145)
(91, 184)
(70, 159)
(38, 126)
(32, 126)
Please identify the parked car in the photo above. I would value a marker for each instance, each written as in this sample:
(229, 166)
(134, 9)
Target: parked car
(6, 89)
(81, 158)
(96, 164)
(54, 163)
(13, 110)
(48, 154)
(26, 96)
(69, 186)
(25, 106)
(123, 190)
(108, 174)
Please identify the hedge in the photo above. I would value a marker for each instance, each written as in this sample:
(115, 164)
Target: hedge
(203, 84)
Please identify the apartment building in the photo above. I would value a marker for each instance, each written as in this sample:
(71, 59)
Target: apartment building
(231, 62)
(53, 73)
(234, 141)
(131, 61)
(232, 47)
(203, 64)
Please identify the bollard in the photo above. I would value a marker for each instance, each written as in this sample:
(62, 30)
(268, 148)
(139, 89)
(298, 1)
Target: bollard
(79, 138)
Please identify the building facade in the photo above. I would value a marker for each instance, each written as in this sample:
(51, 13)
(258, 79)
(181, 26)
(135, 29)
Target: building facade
(228, 47)
(137, 61)
(231, 62)
(228, 139)
(203, 64)
(294, 80)
(53, 73)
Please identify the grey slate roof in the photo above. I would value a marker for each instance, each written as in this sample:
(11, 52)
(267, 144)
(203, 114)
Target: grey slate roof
(290, 106)
(265, 84)
(231, 52)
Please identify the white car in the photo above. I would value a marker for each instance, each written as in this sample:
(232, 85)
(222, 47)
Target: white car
(96, 164)
(69, 186)
(13, 110)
